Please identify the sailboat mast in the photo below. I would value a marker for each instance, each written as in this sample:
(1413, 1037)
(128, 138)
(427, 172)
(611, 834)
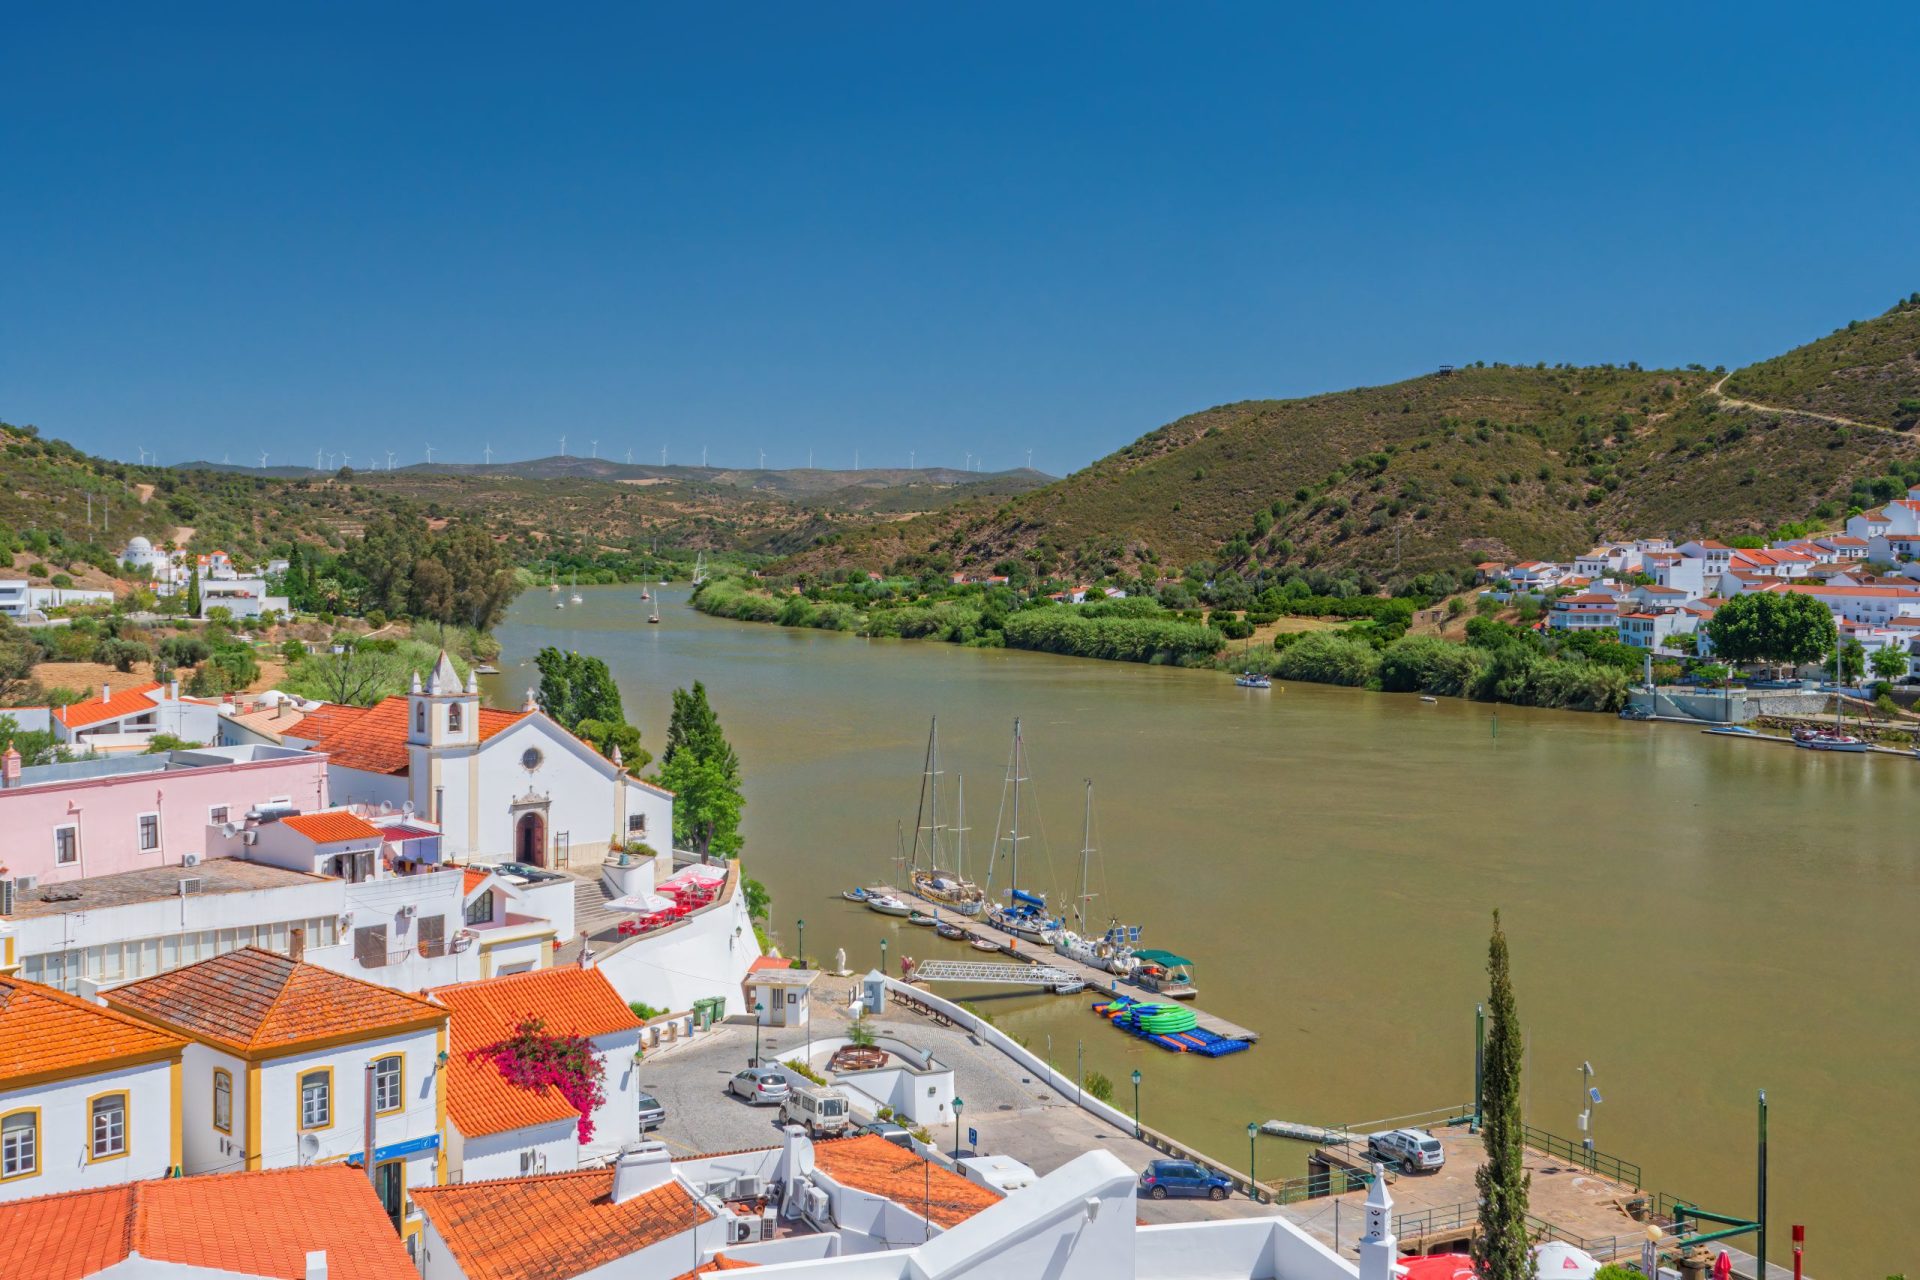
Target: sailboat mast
(960, 832)
(1086, 852)
(1017, 770)
(920, 809)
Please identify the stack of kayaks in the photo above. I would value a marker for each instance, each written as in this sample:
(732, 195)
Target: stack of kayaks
(1171, 1026)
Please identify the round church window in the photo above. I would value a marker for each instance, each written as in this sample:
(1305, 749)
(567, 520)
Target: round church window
(530, 759)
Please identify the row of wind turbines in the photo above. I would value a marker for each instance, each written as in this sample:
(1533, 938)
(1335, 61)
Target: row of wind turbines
(325, 460)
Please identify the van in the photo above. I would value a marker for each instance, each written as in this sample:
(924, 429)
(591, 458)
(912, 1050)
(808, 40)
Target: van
(822, 1109)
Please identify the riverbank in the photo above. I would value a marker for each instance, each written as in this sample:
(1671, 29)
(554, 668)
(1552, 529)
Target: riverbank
(1497, 663)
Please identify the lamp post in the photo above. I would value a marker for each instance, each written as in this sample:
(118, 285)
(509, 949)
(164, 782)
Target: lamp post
(1136, 1102)
(883, 957)
(1253, 1160)
(957, 1104)
(802, 926)
(757, 1009)
(1589, 1096)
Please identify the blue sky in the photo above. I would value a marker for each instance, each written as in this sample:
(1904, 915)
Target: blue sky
(979, 229)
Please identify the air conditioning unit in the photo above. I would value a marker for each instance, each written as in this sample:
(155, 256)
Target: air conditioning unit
(190, 884)
(748, 1186)
(742, 1230)
(249, 837)
(190, 860)
(6, 897)
(26, 884)
(815, 1206)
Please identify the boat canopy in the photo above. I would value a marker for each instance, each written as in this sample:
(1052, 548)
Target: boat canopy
(1162, 957)
(1021, 895)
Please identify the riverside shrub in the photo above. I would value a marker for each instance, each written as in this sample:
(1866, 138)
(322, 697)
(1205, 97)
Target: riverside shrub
(1428, 664)
(1118, 639)
(1325, 657)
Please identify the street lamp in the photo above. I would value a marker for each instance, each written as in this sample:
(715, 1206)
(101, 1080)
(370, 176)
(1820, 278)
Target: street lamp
(758, 1008)
(1253, 1160)
(1589, 1098)
(957, 1104)
(883, 957)
(1136, 1102)
(802, 924)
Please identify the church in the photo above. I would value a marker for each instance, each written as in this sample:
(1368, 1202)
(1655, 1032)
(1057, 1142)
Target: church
(502, 785)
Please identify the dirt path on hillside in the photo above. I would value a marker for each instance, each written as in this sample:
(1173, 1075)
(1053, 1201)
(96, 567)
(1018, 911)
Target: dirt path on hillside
(1723, 398)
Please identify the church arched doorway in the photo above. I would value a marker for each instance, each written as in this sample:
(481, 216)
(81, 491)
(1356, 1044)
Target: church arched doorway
(530, 840)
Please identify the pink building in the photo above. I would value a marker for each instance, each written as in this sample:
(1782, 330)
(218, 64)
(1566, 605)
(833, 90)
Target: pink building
(128, 813)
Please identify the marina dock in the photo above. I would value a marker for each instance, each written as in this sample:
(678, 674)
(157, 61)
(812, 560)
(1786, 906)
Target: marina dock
(1097, 980)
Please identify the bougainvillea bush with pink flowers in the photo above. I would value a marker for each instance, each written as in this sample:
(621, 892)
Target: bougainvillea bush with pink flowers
(532, 1058)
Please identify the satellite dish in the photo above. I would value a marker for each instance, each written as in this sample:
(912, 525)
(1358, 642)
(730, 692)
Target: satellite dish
(309, 1148)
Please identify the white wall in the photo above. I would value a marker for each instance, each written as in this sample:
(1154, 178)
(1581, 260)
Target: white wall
(359, 786)
(205, 1149)
(497, 1155)
(903, 1086)
(280, 1131)
(65, 1135)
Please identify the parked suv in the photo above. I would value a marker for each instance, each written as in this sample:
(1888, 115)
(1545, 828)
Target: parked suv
(1414, 1150)
(1165, 1178)
(760, 1086)
(821, 1108)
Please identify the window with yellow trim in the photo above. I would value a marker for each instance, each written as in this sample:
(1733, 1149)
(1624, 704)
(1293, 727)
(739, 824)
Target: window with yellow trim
(109, 1125)
(316, 1100)
(388, 1085)
(223, 1101)
(20, 1144)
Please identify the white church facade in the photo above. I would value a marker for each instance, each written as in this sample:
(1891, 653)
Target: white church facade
(502, 785)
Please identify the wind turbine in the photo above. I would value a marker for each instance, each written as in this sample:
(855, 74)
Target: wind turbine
(488, 451)
(809, 459)
(763, 459)
(703, 455)
(346, 459)
(594, 452)
(389, 459)
(968, 464)
(856, 459)
(429, 455)
(1029, 459)
(563, 446)
(263, 459)
(663, 455)
(318, 454)
(629, 457)
(910, 456)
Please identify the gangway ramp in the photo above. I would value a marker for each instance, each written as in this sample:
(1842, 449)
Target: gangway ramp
(1023, 975)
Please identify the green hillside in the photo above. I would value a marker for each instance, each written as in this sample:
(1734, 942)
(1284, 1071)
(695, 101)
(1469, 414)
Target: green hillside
(1451, 467)
(1868, 371)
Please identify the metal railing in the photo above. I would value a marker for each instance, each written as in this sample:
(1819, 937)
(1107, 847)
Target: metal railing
(1450, 1219)
(1313, 1186)
(1575, 1153)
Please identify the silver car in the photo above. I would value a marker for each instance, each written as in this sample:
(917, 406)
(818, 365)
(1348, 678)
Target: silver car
(761, 1086)
(1415, 1150)
(652, 1114)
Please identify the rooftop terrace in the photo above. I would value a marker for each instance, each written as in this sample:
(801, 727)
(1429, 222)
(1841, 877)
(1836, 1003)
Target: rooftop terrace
(155, 884)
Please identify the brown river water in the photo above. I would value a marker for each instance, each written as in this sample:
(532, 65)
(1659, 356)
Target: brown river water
(1699, 917)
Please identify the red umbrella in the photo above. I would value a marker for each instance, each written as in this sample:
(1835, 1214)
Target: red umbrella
(1723, 1266)
(1440, 1266)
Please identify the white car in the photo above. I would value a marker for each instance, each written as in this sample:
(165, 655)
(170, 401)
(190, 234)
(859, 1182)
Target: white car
(1414, 1150)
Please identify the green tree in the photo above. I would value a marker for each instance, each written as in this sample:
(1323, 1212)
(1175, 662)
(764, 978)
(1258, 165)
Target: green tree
(193, 592)
(1890, 663)
(694, 727)
(706, 804)
(1501, 1251)
(1852, 662)
(1772, 626)
(36, 746)
(575, 687)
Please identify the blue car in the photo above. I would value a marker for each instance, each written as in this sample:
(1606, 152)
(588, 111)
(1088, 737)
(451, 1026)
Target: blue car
(1165, 1178)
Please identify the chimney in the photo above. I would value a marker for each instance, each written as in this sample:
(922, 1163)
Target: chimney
(796, 1162)
(279, 708)
(642, 1166)
(316, 1264)
(296, 944)
(10, 767)
(173, 690)
(106, 693)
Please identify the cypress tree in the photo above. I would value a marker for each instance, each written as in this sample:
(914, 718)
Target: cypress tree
(1501, 1252)
(193, 592)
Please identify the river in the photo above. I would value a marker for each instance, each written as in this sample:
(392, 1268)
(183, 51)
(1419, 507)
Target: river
(1699, 917)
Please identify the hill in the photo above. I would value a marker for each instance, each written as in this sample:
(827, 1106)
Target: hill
(1454, 466)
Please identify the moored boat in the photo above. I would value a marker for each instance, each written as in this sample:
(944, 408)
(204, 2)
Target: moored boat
(921, 918)
(854, 895)
(982, 944)
(888, 905)
(951, 931)
(1253, 680)
(1025, 914)
(1827, 740)
(1112, 951)
(943, 888)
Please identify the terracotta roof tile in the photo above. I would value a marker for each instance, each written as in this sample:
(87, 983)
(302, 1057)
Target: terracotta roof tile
(253, 1000)
(375, 740)
(44, 1031)
(561, 1224)
(569, 1000)
(719, 1262)
(260, 1224)
(332, 826)
(871, 1163)
(125, 702)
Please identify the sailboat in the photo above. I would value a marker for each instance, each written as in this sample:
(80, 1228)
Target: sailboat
(699, 567)
(553, 584)
(1113, 950)
(575, 597)
(655, 615)
(645, 594)
(1814, 738)
(1025, 916)
(936, 885)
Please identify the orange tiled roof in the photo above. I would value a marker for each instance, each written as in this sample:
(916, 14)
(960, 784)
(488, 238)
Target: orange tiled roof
(332, 826)
(260, 1223)
(47, 1034)
(375, 740)
(719, 1262)
(571, 1001)
(471, 880)
(562, 1224)
(126, 702)
(252, 1001)
(870, 1163)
